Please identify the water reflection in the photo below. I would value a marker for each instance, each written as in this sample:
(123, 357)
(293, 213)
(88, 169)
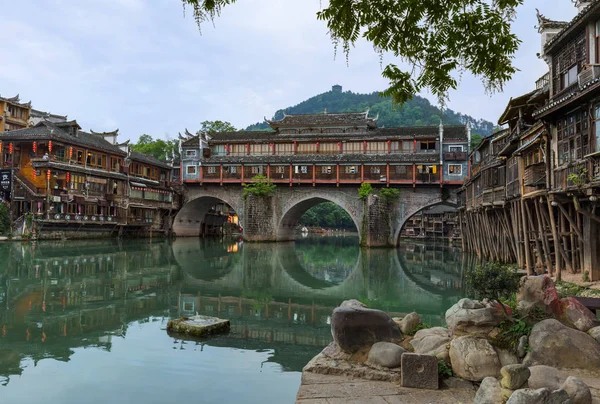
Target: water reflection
(58, 297)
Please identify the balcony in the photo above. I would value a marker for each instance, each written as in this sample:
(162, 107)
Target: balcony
(535, 175)
(543, 81)
(455, 156)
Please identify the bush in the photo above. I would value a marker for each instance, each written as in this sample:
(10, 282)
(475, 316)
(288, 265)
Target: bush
(444, 370)
(4, 219)
(261, 187)
(390, 195)
(421, 326)
(365, 190)
(493, 281)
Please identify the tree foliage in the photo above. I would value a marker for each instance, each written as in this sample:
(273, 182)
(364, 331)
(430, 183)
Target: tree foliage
(4, 219)
(261, 187)
(416, 112)
(438, 40)
(159, 148)
(327, 215)
(492, 280)
(217, 126)
(365, 190)
(475, 140)
(390, 195)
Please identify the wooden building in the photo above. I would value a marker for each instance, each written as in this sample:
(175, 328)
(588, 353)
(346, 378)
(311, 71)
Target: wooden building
(546, 216)
(81, 182)
(14, 114)
(346, 148)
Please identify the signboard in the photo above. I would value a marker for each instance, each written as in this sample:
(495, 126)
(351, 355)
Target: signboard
(6, 184)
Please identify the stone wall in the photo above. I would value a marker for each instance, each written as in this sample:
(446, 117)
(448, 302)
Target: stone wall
(260, 219)
(376, 226)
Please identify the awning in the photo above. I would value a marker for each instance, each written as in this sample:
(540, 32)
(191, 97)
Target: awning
(525, 146)
(138, 184)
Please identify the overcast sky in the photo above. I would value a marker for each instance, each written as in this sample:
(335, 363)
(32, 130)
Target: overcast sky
(143, 67)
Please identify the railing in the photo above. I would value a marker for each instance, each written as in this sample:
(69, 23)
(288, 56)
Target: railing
(74, 217)
(572, 176)
(543, 81)
(455, 156)
(488, 197)
(535, 174)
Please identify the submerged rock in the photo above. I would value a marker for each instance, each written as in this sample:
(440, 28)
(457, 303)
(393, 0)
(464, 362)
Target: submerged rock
(554, 344)
(386, 354)
(354, 328)
(474, 358)
(198, 326)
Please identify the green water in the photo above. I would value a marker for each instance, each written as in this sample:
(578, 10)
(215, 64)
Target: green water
(84, 322)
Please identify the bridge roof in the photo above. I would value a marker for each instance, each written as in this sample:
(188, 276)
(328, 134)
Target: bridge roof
(454, 132)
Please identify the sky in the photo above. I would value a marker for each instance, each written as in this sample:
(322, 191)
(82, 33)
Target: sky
(143, 66)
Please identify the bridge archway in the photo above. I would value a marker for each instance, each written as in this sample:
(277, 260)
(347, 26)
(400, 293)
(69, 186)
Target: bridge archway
(412, 212)
(193, 218)
(294, 209)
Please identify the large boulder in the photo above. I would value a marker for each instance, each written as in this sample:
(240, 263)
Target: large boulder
(386, 354)
(474, 358)
(354, 328)
(536, 291)
(577, 390)
(432, 341)
(542, 376)
(554, 344)
(489, 392)
(474, 317)
(410, 323)
(574, 314)
(539, 396)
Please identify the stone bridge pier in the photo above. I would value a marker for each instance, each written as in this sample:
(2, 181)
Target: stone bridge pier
(275, 218)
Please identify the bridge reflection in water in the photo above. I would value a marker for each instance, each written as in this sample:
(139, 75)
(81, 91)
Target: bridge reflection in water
(56, 297)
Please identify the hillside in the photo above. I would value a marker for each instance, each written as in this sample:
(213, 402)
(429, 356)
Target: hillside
(416, 112)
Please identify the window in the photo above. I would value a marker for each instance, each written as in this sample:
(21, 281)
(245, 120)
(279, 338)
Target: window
(218, 150)
(306, 148)
(256, 169)
(351, 169)
(353, 148)
(455, 169)
(329, 148)
(114, 164)
(597, 126)
(570, 77)
(231, 170)
(238, 150)
(427, 146)
(211, 170)
(400, 169)
(79, 156)
(375, 170)
(190, 153)
(455, 148)
(280, 170)
(260, 149)
(568, 62)
(284, 148)
(301, 169)
(191, 170)
(407, 146)
(573, 137)
(326, 170)
(376, 147)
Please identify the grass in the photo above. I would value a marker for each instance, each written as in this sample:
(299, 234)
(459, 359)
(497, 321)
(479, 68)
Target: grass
(568, 289)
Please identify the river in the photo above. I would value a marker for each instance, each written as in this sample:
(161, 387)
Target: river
(84, 321)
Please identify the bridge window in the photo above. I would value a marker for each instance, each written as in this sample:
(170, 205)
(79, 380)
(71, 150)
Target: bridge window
(400, 169)
(231, 170)
(280, 170)
(284, 148)
(375, 170)
(326, 170)
(353, 148)
(351, 169)
(256, 169)
(211, 170)
(190, 153)
(455, 169)
(300, 169)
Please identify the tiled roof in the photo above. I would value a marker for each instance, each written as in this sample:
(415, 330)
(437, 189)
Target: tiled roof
(326, 119)
(43, 114)
(146, 158)
(584, 15)
(326, 158)
(16, 100)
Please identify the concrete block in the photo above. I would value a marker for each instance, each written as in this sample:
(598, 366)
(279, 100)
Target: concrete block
(419, 371)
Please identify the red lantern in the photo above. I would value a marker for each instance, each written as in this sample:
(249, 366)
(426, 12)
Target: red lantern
(10, 148)
(317, 145)
(339, 144)
(48, 173)
(0, 147)
(34, 147)
(50, 145)
(68, 177)
(70, 153)
(34, 173)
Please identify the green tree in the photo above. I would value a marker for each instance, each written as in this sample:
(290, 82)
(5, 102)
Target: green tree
(493, 281)
(158, 148)
(438, 39)
(261, 187)
(4, 219)
(475, 140)
(217, 126)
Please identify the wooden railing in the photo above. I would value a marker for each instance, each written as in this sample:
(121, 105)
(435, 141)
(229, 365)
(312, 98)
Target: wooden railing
(543, 81)
(535, 174)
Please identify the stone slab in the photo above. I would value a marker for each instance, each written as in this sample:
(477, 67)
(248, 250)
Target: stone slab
(419, 371)
(198, 326)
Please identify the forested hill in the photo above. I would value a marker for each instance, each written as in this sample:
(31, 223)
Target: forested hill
(416, 112)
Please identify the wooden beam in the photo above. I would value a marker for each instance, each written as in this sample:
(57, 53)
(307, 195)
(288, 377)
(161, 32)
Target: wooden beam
(570, 220)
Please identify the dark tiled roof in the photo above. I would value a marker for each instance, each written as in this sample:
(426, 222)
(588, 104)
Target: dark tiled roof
(325, 119)
(587, 14)
(145, 158)
(455, 132)
(326, 158)
(43, 114)
(16, 100)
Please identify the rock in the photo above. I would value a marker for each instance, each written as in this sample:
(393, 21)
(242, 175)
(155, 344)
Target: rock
(555, 344)
(473, 317)
(522, 347)
(198, 326)
(457, 383)
(473, 358)
(410, 322)
(489, 392)
(595, 333)
(352, 303)
(419, 371)
(506, 393)
(577, 390)
(507, 357)
(539, 396)
(514, 376)
(542, 376)
(574, 314)
(537, 291)
(432, 341)
(354, 328)
(386, 354)
(334, 351)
